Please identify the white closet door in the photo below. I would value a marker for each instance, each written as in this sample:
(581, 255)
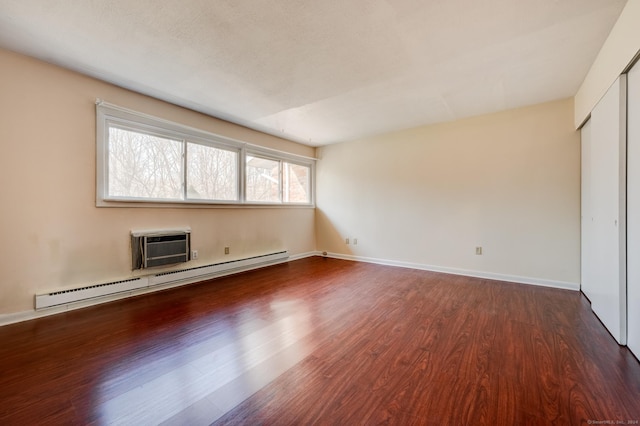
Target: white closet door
(586, 222)
(633, 210)
(607, 253)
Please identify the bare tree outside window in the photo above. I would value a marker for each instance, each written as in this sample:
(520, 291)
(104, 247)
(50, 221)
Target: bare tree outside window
(263, 179)
(144, 166)
(212, 173)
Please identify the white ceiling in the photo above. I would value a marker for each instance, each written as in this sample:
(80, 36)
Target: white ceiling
(321, 72)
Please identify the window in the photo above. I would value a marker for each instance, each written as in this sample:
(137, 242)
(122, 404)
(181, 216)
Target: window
(142, 165)
(273, 180)
(263, 179)
(297, 183)
(147, 165)
(212, 173)
(149, 161)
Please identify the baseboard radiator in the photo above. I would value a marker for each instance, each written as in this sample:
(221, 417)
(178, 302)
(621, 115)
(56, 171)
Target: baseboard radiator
(136, 285)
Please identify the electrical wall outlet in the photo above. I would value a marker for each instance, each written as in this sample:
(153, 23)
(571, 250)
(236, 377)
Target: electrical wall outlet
(355, 241)
(226, 250)
(346, 240)
(478, 250)
(194, 254)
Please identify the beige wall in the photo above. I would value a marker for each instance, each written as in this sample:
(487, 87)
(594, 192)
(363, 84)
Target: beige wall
(509, 182)
(617, 52)
(53, 235)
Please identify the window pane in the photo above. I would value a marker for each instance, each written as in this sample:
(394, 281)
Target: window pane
(296, 183)
(144, 166)
(212, 173)
(263, 179)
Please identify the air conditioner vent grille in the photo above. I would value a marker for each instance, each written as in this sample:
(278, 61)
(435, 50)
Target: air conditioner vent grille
(160, 248)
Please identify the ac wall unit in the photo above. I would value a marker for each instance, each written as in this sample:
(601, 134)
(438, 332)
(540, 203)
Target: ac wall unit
(160, 248)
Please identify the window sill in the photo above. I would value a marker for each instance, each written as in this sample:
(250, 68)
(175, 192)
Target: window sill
(117, 203)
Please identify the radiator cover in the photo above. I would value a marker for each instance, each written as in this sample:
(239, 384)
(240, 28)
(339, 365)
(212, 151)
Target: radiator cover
(131, 286)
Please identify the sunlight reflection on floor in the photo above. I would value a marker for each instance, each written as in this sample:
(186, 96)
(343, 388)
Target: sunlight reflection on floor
(192, 382)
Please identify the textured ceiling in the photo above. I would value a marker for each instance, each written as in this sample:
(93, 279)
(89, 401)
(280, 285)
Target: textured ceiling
(321, 72)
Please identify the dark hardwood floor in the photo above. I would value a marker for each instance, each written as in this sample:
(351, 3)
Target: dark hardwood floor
(322, 341)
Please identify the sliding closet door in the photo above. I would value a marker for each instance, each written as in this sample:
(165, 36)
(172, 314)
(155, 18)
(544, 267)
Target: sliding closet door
(586, 222)
(606, 274)
(633, 210)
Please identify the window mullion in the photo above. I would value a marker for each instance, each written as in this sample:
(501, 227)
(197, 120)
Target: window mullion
(184, 169)
(281, 174)
(242, 175)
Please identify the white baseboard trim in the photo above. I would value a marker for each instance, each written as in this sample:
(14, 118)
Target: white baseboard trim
(465, 272)
(12, 318)
(304, 255)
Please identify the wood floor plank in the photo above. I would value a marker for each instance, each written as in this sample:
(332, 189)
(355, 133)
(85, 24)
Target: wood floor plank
(322, 341)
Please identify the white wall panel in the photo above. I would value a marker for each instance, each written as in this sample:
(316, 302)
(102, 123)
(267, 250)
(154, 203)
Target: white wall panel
(633, 210)
(606, 273)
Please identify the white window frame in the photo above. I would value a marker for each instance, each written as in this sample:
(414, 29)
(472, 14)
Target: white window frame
(108, 114)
